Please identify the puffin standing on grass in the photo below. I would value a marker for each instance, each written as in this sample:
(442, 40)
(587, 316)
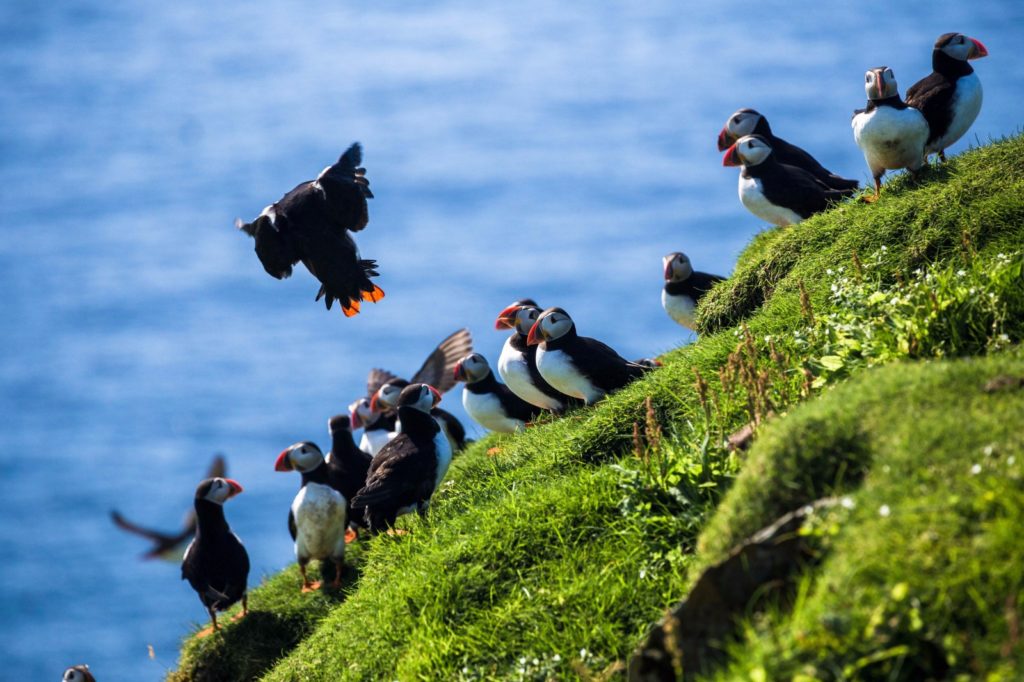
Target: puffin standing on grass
(517, 363)
(890, 132)
(311, 224)
(684, 288)
(78, 673)
(577, 365)
(216, 564)
(489, 401)
(386, 399)
(749, 122)
(949, 97)
(405, 474)
(317, 518)
(781, 194)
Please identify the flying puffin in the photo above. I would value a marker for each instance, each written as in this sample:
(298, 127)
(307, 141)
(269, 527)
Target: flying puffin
(216, 564)
(749, 122)
(517, 363)
(489, 401)
(311, 224)
(386, 398)
(949, 97)
(378, 427)
(78, 673)
(577, 365)
(405, 474)
(773, 191)
(684, 288)
(891, 133)
(317, 518)
(169, 546)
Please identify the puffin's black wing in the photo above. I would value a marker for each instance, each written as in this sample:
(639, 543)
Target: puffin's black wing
(292, 528)
(516, 407)
(377, 378)
(400, 474)
(800, 191)
(703, 281)
(346, 189)
(605, 367)
(438, 369)
(932, 96)
(455, 428)
(162, 541)
(793, 155)
(273, 248)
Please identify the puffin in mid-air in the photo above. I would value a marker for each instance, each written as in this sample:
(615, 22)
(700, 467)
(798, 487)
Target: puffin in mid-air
(684, 288)
(490, 402)
(169, 546)
(407, 471)
(216, 564)
(576, 365)
(749, 122)
(517, 363)
(890, 132)
(317, 518)
(311, 224)
(949, 97)
(781, 194)
(378, 427)
(386, 399)
(78, 673)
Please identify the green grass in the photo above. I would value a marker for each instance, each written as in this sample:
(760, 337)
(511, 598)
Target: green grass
(550, 557)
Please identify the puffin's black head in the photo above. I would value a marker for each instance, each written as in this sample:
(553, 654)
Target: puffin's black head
(423, 397)
(749, 150)
(677, 267)
(960, 47)
(742, 122)
(78, 673)
(218, 490)
(880, 83)
(472, 368)
(302, 457)
(553, 323)
(338, 423)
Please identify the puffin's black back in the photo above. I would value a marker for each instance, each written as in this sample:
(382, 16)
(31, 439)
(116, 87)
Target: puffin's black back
(933, 94)
(793, 188)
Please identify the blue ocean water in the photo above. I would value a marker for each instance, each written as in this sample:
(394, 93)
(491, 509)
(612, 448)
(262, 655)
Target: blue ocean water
(531, 148)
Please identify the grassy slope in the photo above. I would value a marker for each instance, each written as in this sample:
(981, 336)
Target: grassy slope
(552, 556)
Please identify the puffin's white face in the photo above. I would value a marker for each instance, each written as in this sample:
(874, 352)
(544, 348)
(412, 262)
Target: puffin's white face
(421, 396)
(303, 457)
(963, 48)
(361, 414)
(472, 368)
(880, 83)
(220, 490)
(742, 123)
(77, 674)
(550, 326)
(677, 267)
(525, 317)
(387, 397)
(752, 150)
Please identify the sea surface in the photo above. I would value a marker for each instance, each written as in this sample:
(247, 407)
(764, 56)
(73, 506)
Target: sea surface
(552, 150)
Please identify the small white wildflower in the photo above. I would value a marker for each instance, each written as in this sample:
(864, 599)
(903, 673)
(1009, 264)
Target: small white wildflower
(988, 450)
(536, 662)
(1011, 460)
(884, 511)
(583, 654)
(767, 338)
(895, 300)
(884, 249)
(829, 271)
(847, 502)
(1004, 338)
(842, 269)
(918, 272)
(976, 469)
(972, 291)
(961, 272)
(556, 658)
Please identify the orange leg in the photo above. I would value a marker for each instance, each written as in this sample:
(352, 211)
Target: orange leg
(307, 586)
(350, 536)
(339, 569)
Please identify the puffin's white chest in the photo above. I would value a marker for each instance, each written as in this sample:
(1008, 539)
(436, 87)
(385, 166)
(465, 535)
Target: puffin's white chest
(319, 512)
(486, 410)
(891, 138)
(443, 449)
(373, 440)
(515, 372)
(751, 193)
(680, 308)
(966, 105)
(558, 369)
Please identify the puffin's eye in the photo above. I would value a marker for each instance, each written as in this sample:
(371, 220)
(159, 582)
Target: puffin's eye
(735, 119)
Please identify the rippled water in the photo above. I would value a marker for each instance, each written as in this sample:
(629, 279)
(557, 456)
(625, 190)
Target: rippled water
(515, 149)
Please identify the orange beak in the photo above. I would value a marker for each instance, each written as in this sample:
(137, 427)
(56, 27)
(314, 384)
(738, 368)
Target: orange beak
(355, 420)
(235, 486)
(978, 51)
(283, 463)
(460, 375)
(668, 269)
(732, 157)
(373, 402)
(724, 139)
(436, 393)
(507, 317)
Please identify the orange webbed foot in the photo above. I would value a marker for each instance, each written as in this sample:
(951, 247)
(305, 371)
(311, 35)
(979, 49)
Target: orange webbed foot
(350, 536)
(311, 587)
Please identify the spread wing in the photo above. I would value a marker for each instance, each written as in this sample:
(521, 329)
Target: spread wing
(167, 539)
(438, 369)
(346, 189)
(377, 378)
(273, 248)
(400, 474)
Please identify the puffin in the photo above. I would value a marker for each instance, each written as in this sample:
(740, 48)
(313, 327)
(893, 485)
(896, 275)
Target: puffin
(169, 546)
(405, 474)
(317, 519)
(78, 673)
(749, 122)
(347, 465)
(684, 288)
(577, 365)
(950, 96)
(517, 363)
(489, 401)
(311, 224)
(216, 564)
(773, 191)
(378, 427)
(890, 132)
(386, 398)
